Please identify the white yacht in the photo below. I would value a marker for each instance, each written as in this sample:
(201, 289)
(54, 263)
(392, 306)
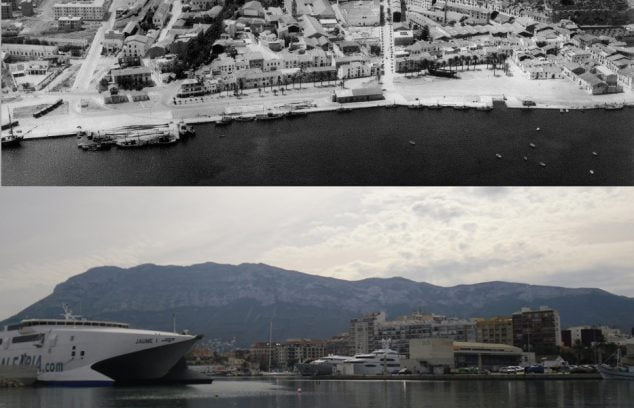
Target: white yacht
(322, 366)
(76, 351)
(381, 361)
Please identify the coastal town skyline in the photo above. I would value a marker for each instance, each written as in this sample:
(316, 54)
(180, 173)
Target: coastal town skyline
(444, 236)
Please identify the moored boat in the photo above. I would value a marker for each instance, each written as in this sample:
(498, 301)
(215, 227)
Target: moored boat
(11, 137)
(296, 113)
(245, 118)
(621, 371)
(322, 366)
(224, 121)
(269, 116)
(77, 351)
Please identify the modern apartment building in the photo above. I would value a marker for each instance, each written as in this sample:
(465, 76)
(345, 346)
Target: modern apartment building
(535, 330)
(496, 330)
(364, 332)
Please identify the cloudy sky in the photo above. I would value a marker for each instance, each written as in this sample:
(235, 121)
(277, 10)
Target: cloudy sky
(445, 236)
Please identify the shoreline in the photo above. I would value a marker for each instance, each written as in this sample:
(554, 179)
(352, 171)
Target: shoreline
(510, 103)
(477, 89)
(428, 377)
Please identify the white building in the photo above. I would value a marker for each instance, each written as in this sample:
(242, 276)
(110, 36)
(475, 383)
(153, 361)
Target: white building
(354, 70)
(94, 11)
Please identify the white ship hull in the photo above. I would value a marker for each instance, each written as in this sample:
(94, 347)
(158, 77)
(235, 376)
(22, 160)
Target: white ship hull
(83, 355)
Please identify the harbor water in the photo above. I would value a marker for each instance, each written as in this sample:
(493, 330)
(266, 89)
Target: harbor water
(284, 393)
(374, 146)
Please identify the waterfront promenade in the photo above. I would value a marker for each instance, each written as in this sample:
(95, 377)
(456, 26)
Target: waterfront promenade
(474, 89)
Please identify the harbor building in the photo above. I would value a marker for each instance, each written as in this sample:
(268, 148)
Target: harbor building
(30, 51)
(495, 330)
(536, 330)
(439, 355)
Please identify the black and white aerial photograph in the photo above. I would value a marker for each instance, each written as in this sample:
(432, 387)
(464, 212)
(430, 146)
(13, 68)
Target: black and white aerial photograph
(317, 92)
(317, 297)
(317, 204)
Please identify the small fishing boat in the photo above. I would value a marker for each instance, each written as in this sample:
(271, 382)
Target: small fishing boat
(542, 164)
(591, 171)
(595, 154)
(224, 121)
(245, 118)
(532, 145)
(498, 155)
(525, 158)
(269, 116)
(538, 129)
(413, 143)
(296, 114)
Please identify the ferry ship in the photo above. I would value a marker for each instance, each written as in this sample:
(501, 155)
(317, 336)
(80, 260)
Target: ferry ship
(75, 351)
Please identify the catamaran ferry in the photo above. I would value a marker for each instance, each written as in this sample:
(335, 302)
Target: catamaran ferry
(76, 351)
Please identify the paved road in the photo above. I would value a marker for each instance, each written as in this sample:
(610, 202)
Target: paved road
(177, 9)
(387, 43)
(84, 76)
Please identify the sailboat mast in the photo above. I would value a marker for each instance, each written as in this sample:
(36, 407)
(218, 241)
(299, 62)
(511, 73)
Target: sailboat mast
(270, 343)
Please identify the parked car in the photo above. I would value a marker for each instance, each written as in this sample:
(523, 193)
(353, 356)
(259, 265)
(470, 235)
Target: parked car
(511, 370)
(471, 370)
(536, 369)
(583, 369)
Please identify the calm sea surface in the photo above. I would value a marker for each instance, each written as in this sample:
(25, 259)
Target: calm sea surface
(364, 147)
(282, 393)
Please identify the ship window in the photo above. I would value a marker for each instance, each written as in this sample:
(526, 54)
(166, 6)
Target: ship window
(1, 341)
(72, 354)
(72, 338)
(28, 338)
(82, 353)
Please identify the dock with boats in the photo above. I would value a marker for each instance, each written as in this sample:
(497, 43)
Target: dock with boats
(133, 136)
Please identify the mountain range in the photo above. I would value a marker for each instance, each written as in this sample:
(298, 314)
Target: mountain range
(238, 301)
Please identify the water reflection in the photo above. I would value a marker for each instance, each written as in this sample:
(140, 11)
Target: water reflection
(283, 393)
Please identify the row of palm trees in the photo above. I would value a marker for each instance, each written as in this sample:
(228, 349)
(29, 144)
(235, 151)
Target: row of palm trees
(493, 60)
(282, 83)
